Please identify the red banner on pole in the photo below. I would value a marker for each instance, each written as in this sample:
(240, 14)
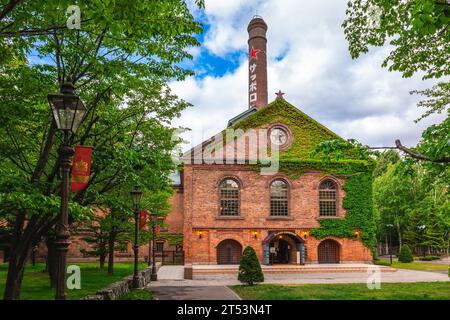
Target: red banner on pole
(143, 219)
(81, 168)
(157, 230)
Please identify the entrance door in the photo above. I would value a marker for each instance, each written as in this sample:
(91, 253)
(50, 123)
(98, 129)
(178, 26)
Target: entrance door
(328, 252)
(229, 252)
(281, 252)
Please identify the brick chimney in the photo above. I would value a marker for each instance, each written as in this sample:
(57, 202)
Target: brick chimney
(257, 65)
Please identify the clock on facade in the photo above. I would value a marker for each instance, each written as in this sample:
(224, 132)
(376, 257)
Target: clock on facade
(278, 136)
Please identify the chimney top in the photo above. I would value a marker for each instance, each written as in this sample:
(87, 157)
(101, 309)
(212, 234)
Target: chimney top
(257, 21)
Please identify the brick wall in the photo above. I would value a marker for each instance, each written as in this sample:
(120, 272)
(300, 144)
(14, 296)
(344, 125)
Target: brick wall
(201, 212)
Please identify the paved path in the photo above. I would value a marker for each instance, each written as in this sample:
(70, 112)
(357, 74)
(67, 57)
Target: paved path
(192, 292)
(171, 273)
(172, 286)
(179, 289)
(323, 278)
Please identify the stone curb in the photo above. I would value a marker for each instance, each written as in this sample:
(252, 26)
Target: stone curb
(120, 288)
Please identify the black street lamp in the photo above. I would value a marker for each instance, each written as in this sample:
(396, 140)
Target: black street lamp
(390, 241)
(68, 112)
(154, 275)
(136, 195)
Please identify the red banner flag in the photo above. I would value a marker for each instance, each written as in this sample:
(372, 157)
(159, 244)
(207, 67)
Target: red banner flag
(143, 219)
(157, 230)
(81, 168)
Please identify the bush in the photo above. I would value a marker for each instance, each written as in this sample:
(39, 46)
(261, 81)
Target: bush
(405, 255)
(429, 258)
(249, 268)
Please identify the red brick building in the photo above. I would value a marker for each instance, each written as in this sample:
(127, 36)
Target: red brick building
(222, 207)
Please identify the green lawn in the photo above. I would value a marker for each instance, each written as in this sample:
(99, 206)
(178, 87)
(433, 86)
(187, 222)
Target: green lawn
(414, 265)
(388, 291)
(139, 294)
(36, 285)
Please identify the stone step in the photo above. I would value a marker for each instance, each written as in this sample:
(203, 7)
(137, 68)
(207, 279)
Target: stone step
(288, 269)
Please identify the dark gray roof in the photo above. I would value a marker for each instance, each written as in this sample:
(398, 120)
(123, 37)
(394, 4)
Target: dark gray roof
(242, 116)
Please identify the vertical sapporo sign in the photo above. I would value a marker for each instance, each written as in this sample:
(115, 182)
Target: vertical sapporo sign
(253, 86)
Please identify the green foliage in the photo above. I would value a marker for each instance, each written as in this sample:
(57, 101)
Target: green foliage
(120, 62)
(359, 216)
(405, 255)
(429, 258)
(438, 99)
(384, 159)
(416, 30)
(414, 199)
(250, 271)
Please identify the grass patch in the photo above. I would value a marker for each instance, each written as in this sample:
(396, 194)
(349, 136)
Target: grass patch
(388, 291)
(36, 284)
(138, 294)
(420, 266)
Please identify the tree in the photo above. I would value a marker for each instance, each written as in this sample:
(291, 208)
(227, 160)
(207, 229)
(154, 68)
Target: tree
(419, 33)
(250, 271)
(384, 159)
(416, 30)
(120, 63)
(405, 255)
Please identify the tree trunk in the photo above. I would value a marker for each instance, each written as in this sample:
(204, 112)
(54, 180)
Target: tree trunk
(51, 260)
(399, 237)
(111, 242)
(102, 260)
(15, 275)
(387, 244)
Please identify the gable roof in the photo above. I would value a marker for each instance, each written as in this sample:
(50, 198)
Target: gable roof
(307, 132)
(242, 116)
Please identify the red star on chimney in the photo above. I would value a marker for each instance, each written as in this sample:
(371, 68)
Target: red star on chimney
(280, 94)
(254, 53)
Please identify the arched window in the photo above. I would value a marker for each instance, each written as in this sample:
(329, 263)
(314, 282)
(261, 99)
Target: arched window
(279, 198)
(229, 198)
(327, 198)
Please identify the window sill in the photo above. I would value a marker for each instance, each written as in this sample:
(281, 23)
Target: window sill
(230, 218)
(280, 218)
(329, 217)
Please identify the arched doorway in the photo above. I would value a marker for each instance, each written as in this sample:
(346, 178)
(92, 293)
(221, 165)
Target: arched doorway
(229, 252)
(328, 251)
(283, 247)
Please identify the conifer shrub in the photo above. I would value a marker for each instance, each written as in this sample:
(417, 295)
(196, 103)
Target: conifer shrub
(405, 255)
(250, 271)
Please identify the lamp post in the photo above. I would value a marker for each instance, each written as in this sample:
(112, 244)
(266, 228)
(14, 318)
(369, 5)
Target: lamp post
(422, 231)
(154, 275)
(68, 112)
(136, 195)
(390, 241)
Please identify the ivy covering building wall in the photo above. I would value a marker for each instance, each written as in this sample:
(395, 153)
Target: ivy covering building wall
(298, 160)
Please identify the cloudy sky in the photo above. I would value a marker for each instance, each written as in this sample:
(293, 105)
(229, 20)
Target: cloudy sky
(308, 59)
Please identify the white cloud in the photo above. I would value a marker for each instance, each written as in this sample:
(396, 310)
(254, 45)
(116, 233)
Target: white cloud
(355, 98)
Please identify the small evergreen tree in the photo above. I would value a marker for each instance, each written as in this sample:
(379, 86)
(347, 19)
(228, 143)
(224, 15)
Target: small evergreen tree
(249, 269)
(405, 255)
